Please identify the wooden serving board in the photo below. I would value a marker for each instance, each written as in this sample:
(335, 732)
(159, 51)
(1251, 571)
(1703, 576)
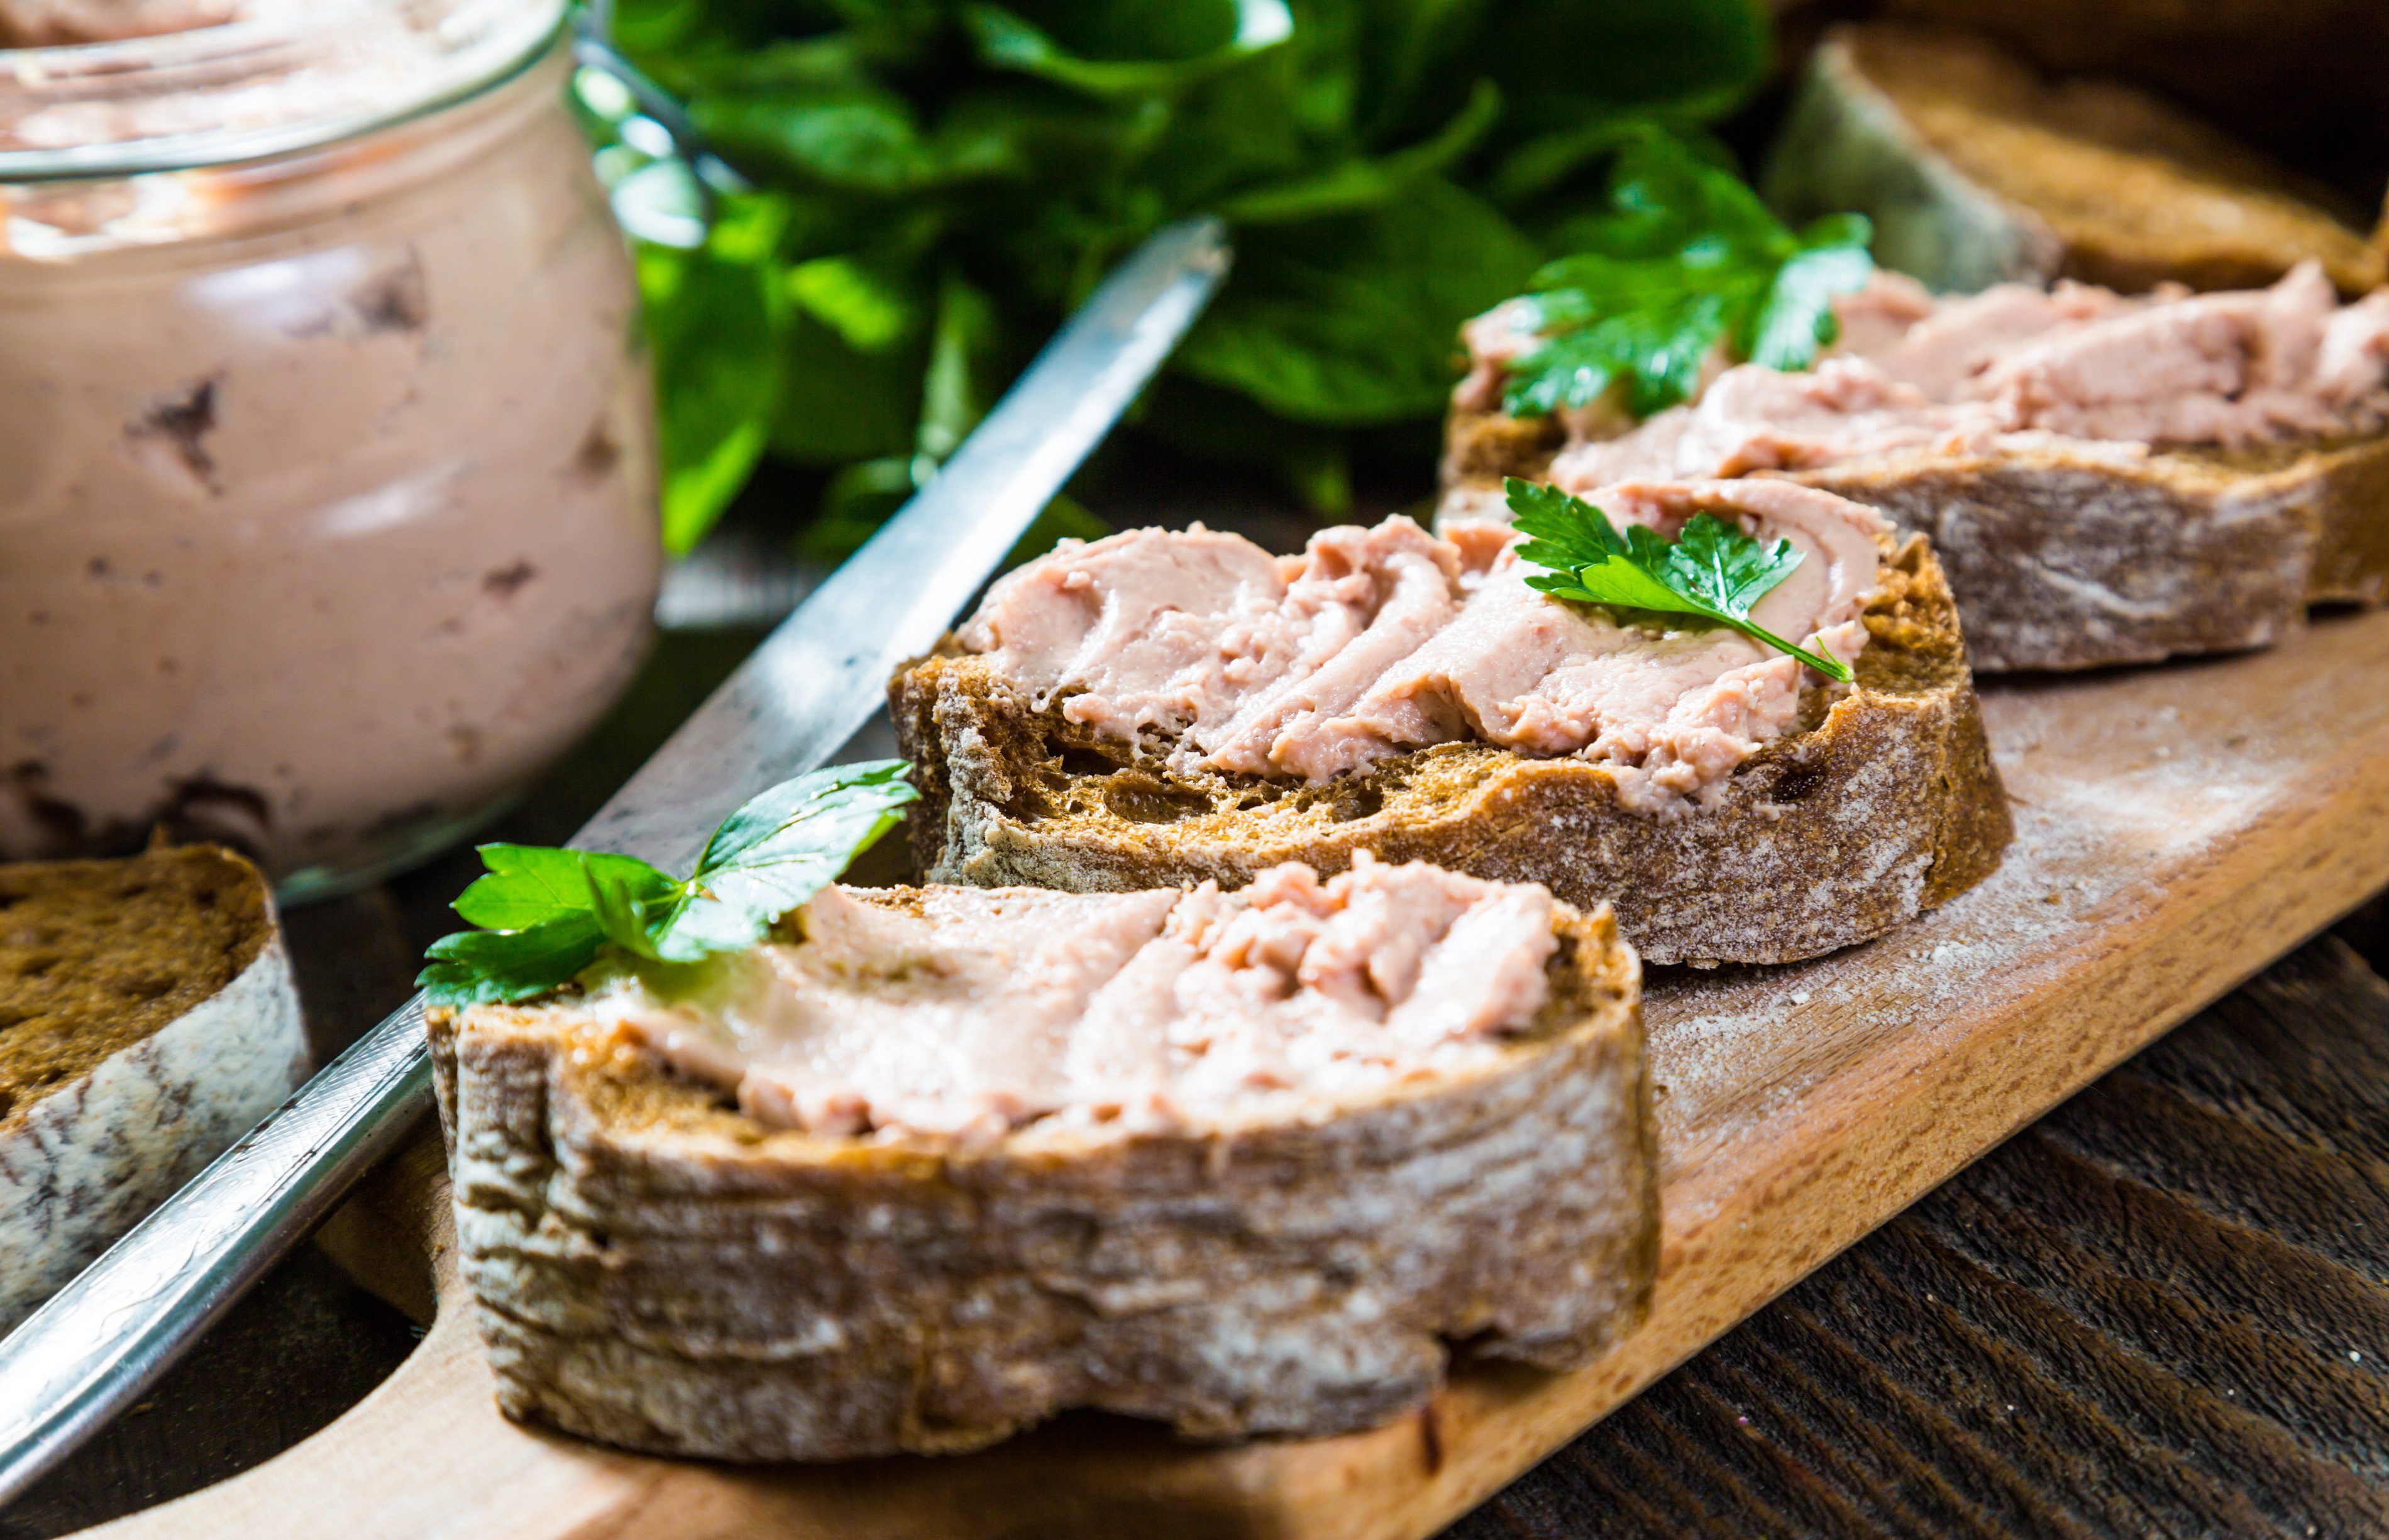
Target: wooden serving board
(2178, 828)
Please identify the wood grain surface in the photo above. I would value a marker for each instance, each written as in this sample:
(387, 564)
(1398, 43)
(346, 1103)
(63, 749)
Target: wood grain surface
(2179, 828)
(2162, 1310)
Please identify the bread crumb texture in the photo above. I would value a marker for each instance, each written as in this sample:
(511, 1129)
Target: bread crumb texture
(96, 956)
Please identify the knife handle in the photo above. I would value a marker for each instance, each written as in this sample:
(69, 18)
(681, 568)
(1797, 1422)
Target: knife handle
(108, 1335)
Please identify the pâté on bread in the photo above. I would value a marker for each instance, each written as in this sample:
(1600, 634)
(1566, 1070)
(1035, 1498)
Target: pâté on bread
(2107, 479)
(1163, 708)
(929, 1164)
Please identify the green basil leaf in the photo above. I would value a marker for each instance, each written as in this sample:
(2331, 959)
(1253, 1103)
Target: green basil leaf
(713, 323)
(958, 387)
(851, 356)
(1562, 61)
(1365, 183)
(1009, 41)
(1349, 321)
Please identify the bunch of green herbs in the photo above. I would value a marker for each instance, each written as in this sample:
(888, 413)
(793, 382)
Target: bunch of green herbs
(935, 185)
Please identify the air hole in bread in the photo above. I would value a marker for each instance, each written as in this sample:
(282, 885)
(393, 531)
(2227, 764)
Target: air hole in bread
(1798, 780)
(38, 965)
(10, 1017)
(1141, 799)
(1086, 761)
(155, 986)
(8, 1103)
(1353, 802)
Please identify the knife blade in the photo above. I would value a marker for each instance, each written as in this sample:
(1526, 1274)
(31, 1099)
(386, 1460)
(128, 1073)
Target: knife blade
(108, 1336)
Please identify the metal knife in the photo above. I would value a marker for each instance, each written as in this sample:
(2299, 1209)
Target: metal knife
(108, 1335)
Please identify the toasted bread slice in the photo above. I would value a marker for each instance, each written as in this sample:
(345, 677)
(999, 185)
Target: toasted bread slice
(146, 1020)
(658, 1270)
(1884, 805)
(2067, 557)
(1976, 171)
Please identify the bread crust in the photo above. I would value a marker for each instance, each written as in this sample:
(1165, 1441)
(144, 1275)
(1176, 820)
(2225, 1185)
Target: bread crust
(657, 1270)
(2066, 557)
(1885, 804)
(142, 1050)
(1977, 170)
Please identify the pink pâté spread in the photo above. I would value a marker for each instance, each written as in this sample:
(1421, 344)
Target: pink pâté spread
(2014, 368)
(991, 1007)
(1209, 652)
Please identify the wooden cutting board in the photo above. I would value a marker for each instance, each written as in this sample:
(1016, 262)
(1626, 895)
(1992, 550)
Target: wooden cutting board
(2178, 828)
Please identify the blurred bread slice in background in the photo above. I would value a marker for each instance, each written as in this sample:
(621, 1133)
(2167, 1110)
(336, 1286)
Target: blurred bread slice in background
(147, 1020)
(1977, 168)
(2299, 79)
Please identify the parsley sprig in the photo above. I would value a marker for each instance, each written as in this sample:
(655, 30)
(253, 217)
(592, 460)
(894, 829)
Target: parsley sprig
(1686, 257)
(1713, 570)
(544, 914)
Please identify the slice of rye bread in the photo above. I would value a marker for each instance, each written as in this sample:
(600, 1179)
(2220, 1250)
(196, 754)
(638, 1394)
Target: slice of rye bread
(2299, 77)
(1975, 171)
(1883, 804)
(146, 1020)
(2074, 558)
(658, 1270)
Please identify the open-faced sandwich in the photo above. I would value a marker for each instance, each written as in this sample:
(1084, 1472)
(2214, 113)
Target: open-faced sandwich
(1745, 720)
(909, 1169)
(2108, 478)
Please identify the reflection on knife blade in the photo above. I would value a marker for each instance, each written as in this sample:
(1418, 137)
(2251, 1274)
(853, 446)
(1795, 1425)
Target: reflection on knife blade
(107, 1336)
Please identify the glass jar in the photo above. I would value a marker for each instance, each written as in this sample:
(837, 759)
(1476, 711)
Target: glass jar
(327, 477)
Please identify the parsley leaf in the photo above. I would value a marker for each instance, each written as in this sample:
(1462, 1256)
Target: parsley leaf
(528, 884)
(1713, 570)
(488, 967)
(779, 850)
(1686, 260)
(902, 150)
(544, 914)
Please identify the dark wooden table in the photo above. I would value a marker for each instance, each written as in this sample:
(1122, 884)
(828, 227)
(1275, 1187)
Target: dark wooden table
(2163, 1310)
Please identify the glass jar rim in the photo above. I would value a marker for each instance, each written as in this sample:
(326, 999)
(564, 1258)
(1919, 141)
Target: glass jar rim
(256, 87)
